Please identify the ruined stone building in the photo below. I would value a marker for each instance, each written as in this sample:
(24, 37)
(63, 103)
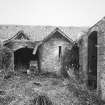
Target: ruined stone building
(92, 57)
(44, 47)
(53, 51)
(49, 49)
(22, 50)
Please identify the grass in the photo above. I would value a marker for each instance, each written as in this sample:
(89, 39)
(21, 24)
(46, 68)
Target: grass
(84, 96)
(21, 90)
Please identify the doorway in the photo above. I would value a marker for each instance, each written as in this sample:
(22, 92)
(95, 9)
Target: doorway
(92, 60)
(23, 57)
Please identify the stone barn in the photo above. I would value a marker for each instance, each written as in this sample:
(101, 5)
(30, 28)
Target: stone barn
(46, 47)
(53, 51)
(22, 49)
(92, 57)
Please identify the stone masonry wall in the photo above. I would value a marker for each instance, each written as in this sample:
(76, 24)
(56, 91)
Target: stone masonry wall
(99, 27)
(83, 58)
(49, 53)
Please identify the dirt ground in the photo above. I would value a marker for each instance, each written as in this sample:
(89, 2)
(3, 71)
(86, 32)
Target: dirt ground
(42, 90)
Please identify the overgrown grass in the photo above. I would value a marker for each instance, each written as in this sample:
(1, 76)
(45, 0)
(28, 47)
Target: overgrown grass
(56, 86)
(84, 96)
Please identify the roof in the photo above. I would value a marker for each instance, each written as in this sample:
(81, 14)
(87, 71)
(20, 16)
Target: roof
(99, 26)
(19, 36)
(38, 33)
(61, 33)
(17, 44)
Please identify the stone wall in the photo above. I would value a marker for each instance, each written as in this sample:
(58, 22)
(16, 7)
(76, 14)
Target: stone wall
(83, 58)
(99, 27)
(50, 61)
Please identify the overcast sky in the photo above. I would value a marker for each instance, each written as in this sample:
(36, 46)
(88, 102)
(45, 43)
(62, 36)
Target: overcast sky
(52, 12)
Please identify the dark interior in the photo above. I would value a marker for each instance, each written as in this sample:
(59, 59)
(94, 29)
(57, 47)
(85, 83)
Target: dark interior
(92, 60)
(22, 58)
(60, 51)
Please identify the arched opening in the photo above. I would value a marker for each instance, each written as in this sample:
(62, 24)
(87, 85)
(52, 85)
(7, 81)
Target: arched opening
(92, 60)
(23, 57)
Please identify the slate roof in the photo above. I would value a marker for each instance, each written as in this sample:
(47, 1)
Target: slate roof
(38, 33)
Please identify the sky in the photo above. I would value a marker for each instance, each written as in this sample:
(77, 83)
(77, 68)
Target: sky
(52, 12)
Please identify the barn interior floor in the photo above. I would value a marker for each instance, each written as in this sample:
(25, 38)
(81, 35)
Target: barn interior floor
(20, 90)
